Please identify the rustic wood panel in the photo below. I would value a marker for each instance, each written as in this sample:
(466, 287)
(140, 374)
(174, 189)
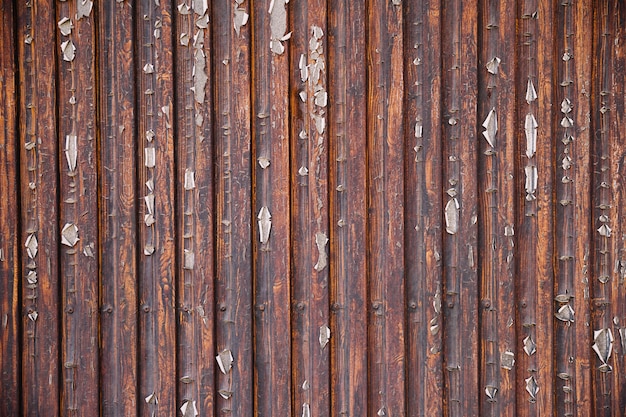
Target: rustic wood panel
(249, 208)
(10, 271)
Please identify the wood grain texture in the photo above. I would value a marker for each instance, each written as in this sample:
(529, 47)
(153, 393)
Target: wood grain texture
(233, 285)
(423, 207)
(39, 205)
(385, 202)
(118, 210)
(459, 83)
(348, 211)
(309, 208)
(155, 148)
(195, 213)
(272, 267)
(497, 194)
(10, 271)
(78, 185)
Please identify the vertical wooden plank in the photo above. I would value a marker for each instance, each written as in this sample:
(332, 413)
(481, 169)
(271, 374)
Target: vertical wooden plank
(271, 237)
(460, 211)
(156, 279)
(572, 51)
(423, 201)
(535, 216)
(10, 375)
(615, 35)
(385, 196)
(309, 208)
(195, 209)
(78, 208)
(607, 279)
(40, 232)
(497, 193)
(348, 280)
(119, 198)
(233, 207)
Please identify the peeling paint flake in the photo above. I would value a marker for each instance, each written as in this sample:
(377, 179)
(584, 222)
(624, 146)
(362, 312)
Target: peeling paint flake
(278, 25)
(491, 128)
(565, 313)
(152, 399)
(150, 157)
(225, 361)
(492, 66)
(604, 230)
(189, 409)
(320, 241)
(530, 128)
(507, 360)
(324, 336)
(452, 216)
(69, 235)
(83, 8)
(265, 224)
(531, 93)
(200, 77)
(69, 50)
(65, 26)
(190, 180)
(532, 388)
(306, 410)
(71, 151)
(603, 346)
(31, 246)
(190, 260)
(184, 9)
(200, 7)
(529, 346)
(240, 19)
(531, 179)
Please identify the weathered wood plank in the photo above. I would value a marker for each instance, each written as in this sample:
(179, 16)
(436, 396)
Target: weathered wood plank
(309, 209)
(118, 208)
(607, 278)
(78, 186)
(423, 220)
(156, 286)
(233, 207)
(271, 237)
(497, 192)
(385, 197)
(195, 225)
(10, 375)
(459, 43)
(39, 207)
(347, 185)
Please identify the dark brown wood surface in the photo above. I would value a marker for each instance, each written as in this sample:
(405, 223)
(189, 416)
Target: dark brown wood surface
(246, 208)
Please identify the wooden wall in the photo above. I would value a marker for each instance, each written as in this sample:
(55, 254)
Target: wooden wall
(312, 208)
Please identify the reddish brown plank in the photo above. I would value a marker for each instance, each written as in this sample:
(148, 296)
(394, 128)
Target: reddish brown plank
(118, 208)
(423, 207)
(385, 201)
(233, 207)
(195, 211)
(271, 237)
(572, 184)
(347, 185)
(156, 280)
(10, 375)
(78, 209)
(309, 209)
(460, 209)
(39, 207)
(497, 193)
(607, 276)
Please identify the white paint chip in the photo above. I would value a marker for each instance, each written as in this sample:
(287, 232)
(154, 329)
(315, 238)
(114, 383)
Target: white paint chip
(531, 93)
(324, 336)
(452, 216)
(83, 8)
(71, 151)
(491, 127)
(492, 65)
(225, 361)
(530, 128)
(265, 224)
(240, 19)
(189, 409)
(69, 50)
(320, 241)
(31, 246)
(152, 399)
(603, 346)
(149, 157)
(190, 179)
(69, 235)
(65, 26)
(148, 68)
